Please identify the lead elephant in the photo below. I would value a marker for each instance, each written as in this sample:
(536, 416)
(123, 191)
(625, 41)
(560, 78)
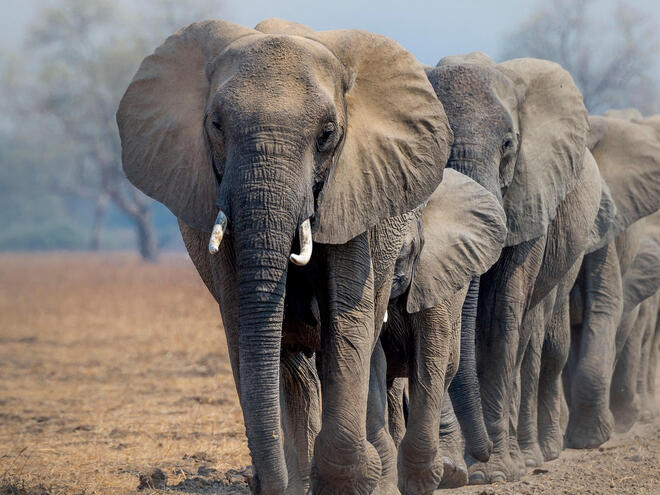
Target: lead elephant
(250, 137)
(628, 157)
(520, 130)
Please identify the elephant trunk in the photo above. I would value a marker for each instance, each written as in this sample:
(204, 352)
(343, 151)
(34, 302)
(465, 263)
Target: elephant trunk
(264, 220)
(472, 163)
(464, 389)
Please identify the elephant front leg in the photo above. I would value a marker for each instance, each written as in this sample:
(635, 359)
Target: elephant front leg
(624, 400)
(420, 462)
(553, 359)
(451, 448)
(345, 463)
(531, 453)
(590, 421)
(503, 299)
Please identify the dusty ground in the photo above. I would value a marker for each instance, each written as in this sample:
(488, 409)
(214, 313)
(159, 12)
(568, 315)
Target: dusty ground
(114, 375)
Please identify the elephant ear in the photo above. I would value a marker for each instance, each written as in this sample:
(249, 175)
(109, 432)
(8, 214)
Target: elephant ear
(161, 119)
(396, 143)
(464, 232)
(553, 127)
(628, 157)
(625, 114)
(642, 279)
(601, 230)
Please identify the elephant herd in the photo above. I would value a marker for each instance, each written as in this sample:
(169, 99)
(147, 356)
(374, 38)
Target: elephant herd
(428, 276)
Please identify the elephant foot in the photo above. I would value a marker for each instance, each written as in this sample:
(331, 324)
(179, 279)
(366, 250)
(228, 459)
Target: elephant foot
(589, 430)
(551, 446)
(551, 442)
(455, 473)
(452, 447)
(532, 455)
(517, 456)
(499, 468)
(647, 416)
(418, 478)
(334, 472)
(625, 414)
(386, 488)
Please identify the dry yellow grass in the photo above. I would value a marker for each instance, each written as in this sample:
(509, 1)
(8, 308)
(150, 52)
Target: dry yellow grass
(109, 368)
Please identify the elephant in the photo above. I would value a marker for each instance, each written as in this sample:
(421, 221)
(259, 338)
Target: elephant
(640, 283)
(649, 319)
(462, 233)
(259, 141)
(602, 305)
(520, 130)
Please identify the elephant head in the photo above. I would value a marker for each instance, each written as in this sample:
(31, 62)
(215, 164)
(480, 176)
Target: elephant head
(627, 151)
(256, 136)
(520, 130)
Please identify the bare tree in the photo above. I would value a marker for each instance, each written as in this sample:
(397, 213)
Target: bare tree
(612, 59)
(86, 52)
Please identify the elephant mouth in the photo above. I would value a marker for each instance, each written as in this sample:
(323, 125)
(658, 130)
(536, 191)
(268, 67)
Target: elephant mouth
(304, 234)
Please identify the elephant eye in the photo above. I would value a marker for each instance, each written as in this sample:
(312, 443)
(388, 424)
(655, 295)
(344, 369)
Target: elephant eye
(507, 145)
(325, 138)
(216, 125)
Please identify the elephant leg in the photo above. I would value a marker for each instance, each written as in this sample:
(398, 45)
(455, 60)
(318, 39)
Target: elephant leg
(653, 364)
(344, 461)
(624, 401)
(377, 423)
(397, 405)
(593, 344)
(647, 318)
(451, 448)
(503, 299)
(529, 378)
(419, 461)
(301, 417)
(554, 355)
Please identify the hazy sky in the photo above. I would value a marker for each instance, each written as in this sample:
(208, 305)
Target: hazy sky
(429, 29)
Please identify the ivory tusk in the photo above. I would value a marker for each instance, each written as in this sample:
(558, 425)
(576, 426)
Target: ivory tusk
(385, 317)
(305, 233)
(218, 231)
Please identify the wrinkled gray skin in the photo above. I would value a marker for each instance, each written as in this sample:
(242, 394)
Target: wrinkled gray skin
(612, 282)
(457, 236)
(628, 394)
(513, 123)
(649, 319)
(462, 236)
(273, 130)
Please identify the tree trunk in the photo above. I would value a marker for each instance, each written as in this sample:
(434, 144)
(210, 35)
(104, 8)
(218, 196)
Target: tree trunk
(147, 240)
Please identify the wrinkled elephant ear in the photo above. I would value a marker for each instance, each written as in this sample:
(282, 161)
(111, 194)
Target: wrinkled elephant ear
(161, 119)
(625, 114)
(553, 128)
(642, 279)
(464, 232)
(628, 157)
(396, 143)
(602, 226)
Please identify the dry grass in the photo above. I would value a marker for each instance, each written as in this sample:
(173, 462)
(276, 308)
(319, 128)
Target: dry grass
(111, 368)
(114, 374)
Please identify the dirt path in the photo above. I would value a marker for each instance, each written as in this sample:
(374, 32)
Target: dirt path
(114, 375)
